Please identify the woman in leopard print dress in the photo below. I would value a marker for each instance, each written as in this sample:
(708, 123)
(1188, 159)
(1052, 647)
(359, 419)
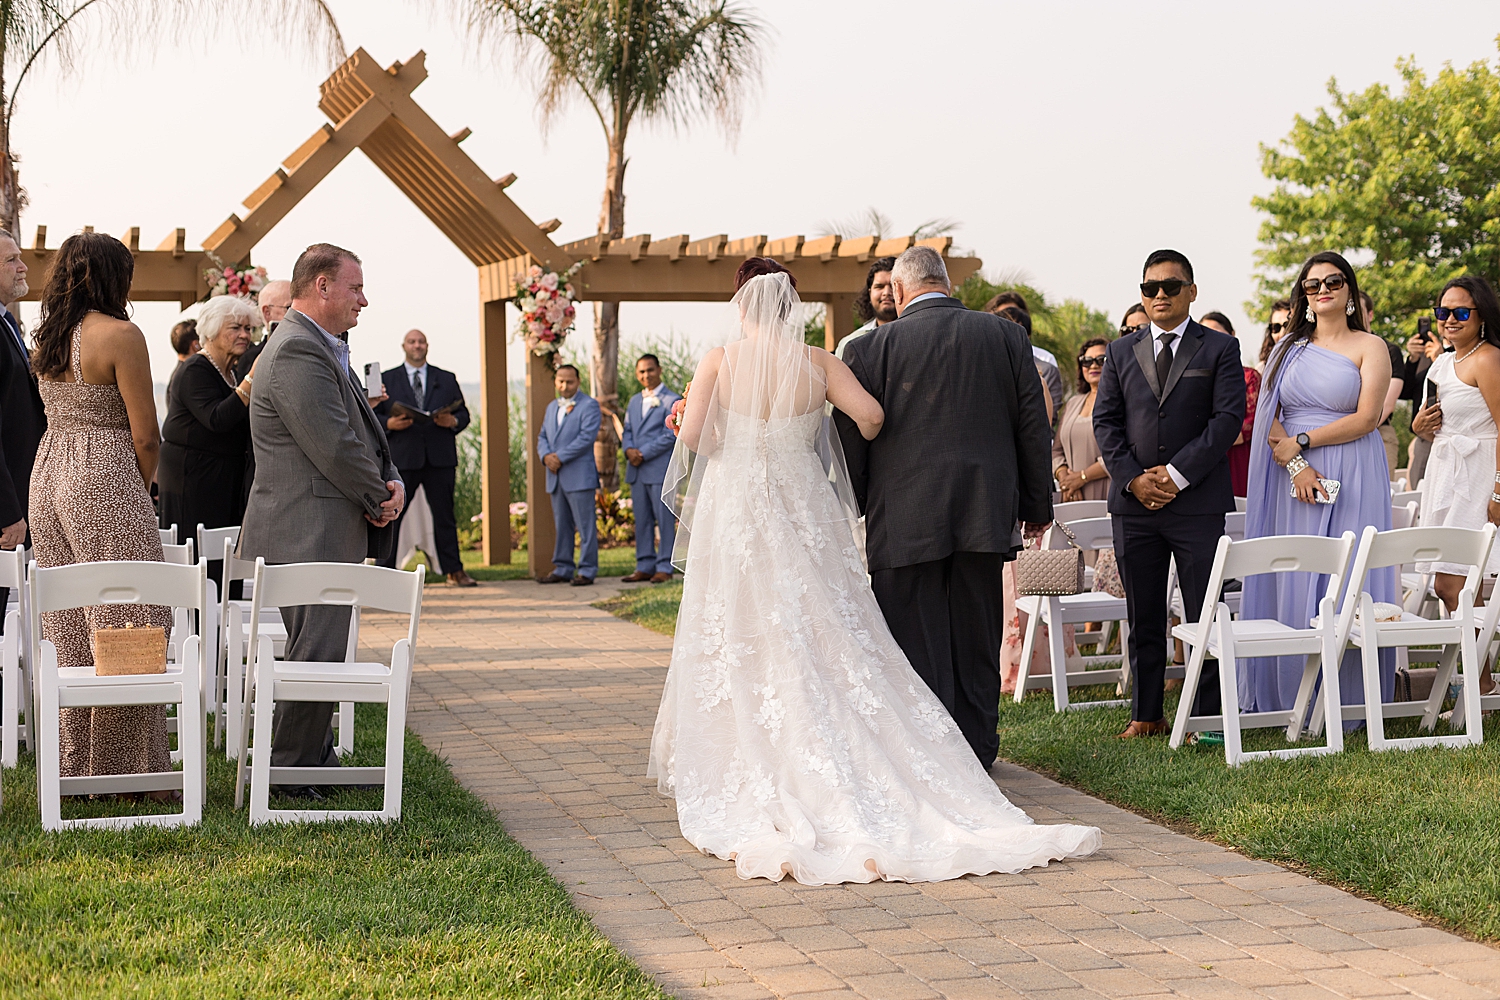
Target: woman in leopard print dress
(89, 487)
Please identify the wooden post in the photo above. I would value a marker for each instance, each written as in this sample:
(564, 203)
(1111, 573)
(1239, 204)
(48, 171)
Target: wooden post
(494, 433)
(838, 320)
(541, 533)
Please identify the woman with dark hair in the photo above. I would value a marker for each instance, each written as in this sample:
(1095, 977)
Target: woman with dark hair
(1239, 455)
(1127, 327)
(1463, 471)
(89, 499)
(1317, 467)
(1276, 326)
(1076, 465)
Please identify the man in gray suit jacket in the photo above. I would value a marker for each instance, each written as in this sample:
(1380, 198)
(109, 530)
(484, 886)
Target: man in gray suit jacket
(326, 489)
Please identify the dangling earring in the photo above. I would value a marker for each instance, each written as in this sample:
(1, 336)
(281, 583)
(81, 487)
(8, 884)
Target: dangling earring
(1349, 308)
(1311, 316)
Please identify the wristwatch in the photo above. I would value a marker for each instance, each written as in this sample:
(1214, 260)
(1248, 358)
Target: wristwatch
(1303, 441)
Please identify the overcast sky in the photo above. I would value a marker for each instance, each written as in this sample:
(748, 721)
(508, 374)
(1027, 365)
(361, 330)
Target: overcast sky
(1068, 139)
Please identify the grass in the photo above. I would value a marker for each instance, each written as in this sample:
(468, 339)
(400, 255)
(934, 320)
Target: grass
(612, 562)
(441, 904)
(1419, 830)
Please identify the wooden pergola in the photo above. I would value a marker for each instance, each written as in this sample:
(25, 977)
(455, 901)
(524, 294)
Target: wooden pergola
(371, 109)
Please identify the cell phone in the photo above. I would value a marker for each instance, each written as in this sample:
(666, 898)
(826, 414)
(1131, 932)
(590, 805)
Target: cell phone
(1424, 328)
(374, 384)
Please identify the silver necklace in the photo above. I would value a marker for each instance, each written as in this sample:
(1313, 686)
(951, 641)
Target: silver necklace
(222, 375)
(1471, 351)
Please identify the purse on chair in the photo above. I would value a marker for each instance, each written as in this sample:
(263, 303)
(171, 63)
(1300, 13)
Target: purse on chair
(1050, 572)
(130, 650)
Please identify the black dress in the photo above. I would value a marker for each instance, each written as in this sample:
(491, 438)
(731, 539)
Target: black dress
(203, 475)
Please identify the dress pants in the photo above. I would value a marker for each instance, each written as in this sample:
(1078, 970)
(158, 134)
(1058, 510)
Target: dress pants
(439, 491)
(946, 617)
(575, 511)
(651, 514)
(302, 731)
(1145, 545)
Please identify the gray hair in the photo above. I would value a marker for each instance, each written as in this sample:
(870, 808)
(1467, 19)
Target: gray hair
(217, 310)
(921, 266)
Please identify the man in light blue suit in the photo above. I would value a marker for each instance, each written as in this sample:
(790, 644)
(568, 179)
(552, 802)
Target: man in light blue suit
(648, 448)
(565, 442)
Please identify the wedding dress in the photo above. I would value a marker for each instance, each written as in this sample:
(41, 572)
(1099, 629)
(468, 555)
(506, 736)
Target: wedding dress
(793, 733)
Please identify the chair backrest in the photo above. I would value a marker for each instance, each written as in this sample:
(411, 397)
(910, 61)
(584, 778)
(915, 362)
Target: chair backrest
(1434, 543)
(1075, 510)
(1234, 525)
(1235, 560)
(340, 584)
(178, 555)
(80, 585)
(1090, 532)
(1241, 504)
(12, 569)
(211, 540)
(1399, 485)
(1404, 497)
(168, 535)
(1404, 517)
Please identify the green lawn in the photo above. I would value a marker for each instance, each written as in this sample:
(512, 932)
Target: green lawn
(612, 562)
(442, 904)
(1418, 830)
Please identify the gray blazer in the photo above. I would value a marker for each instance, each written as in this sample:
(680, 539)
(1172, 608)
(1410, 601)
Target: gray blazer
(321, 459)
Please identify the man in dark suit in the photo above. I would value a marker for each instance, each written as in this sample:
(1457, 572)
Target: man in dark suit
(426, 452)
(22, 417)
(1169, 406)
(964, 455)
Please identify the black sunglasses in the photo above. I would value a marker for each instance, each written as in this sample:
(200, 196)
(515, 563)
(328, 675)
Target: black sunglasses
(1460, 313)
(1171, 286)
(1126, 331)
(1091, 362)
(1275, 328)
(1333, 283)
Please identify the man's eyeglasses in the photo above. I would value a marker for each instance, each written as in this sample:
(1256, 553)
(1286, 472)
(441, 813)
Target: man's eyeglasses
(1091, 362)
(1126, 331)
(1333, 283)
(1460, 313)
(1172, 286)
(1275, 328)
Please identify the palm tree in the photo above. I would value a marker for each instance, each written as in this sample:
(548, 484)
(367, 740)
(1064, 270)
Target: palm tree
(669, 61)
(873, 222)
(32, 31)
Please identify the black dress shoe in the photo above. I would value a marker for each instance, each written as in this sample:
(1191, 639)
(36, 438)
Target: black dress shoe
(552, 578)
(307, 792)
(583, 581)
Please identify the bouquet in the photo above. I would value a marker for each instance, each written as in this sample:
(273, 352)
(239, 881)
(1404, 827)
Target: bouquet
(674, 419)
(245, 284)
(546, 299)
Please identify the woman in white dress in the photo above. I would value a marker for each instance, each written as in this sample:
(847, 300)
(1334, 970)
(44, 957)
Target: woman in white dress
(1463, 471)
(793, 733)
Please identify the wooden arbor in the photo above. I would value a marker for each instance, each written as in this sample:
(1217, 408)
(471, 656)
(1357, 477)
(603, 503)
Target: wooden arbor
(371, 108)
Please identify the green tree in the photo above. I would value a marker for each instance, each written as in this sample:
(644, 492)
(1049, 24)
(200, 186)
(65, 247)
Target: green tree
(674, 62)
(1059, 327)
(32, 31)
(1407, 183)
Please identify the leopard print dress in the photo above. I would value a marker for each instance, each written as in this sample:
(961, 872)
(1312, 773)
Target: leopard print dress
(88, 505)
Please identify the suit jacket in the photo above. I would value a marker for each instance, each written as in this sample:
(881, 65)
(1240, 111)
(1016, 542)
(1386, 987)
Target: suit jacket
(421, 445)
(573, 443)
(965, 451)
(23, 420)
(321, 458)
(646, 430)
(1190, 422)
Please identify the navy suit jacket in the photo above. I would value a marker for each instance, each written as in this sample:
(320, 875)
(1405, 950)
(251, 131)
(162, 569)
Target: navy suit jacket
(573, 443)
(23, 420)
(421, 445)
(1191, 422)
(646, 430)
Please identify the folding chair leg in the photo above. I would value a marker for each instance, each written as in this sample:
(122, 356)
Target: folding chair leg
(49, 749)
(1440, 684)
(1127, 673)
(260, 763)
(1191, 674)
(1304, 696)
(1028, 647)
(1473, 720)
(345, 745)
(1229, 689)
(1057, 655)
(1374, 709)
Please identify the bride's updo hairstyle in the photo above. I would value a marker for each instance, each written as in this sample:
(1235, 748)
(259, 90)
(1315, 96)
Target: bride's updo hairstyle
(754, 267)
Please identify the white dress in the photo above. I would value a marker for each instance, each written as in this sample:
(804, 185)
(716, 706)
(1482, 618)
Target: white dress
(793, 733)
(1461, 469)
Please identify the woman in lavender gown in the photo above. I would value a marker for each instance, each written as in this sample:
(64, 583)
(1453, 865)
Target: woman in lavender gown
(1317, 418)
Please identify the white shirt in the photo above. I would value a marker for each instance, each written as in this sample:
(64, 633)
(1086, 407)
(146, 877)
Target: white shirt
(928, 295)
(339, 345)
(1156, 346)
(1041, 355)
(838, 351)
(410, 371)
(565, 406)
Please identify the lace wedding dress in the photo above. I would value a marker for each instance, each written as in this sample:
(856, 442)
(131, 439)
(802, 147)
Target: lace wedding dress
(793, 733)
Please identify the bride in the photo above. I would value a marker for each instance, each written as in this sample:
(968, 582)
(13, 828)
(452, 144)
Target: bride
(794, 735)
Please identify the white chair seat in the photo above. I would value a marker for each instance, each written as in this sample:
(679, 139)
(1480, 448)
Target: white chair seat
(297, 670)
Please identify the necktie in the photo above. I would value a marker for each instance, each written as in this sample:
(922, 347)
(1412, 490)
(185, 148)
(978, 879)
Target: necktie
(1164, 360)
(416, 385)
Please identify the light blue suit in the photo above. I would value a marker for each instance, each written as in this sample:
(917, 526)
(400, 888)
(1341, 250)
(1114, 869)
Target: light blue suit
(646, 430)
(572, 487)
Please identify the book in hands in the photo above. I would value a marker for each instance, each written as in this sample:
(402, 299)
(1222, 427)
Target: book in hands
(421, 416)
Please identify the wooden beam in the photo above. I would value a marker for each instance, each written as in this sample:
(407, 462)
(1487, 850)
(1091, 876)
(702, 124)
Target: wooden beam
(671, 247)
(822, 248)
(711, 247)
(942, 244)
(133, 239)
(260, 194)
(494, 434)
(895, 246)
(40, 246)
(550, 226)
(787, 248)
(838, 320)
(462, 134)
(749, 246)
(630, 246)
(541, 530)
(175, 243)
(861, 248)
(160, 275)
(504, 182)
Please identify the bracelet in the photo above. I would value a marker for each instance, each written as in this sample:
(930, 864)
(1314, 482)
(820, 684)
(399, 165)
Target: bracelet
(1296, 465)
(1497, 477)
(1495, 497)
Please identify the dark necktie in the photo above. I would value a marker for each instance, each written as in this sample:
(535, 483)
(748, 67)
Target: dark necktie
(416, 385)
(1164, 360)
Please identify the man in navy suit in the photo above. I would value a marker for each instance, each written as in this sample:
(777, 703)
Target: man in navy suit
(1170, 404)
(648, 448)
(565, 442)
(22, 417)
(427, 452)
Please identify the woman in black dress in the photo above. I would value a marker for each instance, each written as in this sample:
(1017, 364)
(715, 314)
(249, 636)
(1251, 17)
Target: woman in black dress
(205, 453)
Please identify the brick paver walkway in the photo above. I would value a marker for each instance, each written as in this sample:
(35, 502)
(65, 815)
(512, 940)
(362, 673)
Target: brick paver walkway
(544, 707)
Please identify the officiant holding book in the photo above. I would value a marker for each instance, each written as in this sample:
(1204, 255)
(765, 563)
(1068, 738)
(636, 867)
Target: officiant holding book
(423, 417)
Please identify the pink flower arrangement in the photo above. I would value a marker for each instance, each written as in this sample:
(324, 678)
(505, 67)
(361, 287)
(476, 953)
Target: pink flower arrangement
(546, 299)
(245, 284)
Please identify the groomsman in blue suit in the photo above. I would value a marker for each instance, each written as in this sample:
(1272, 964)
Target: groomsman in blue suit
(565, 442)
(648, 448)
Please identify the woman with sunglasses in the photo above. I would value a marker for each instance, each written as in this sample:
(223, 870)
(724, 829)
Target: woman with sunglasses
(1239, 455)
(1316, 425)
(1076, 465)
(1463, 471)
(1135, 318)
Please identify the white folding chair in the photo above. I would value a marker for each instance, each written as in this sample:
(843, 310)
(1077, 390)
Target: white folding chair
(211, 542)
(1457, 633)
(1399, 484)
(234, 618)
(1404, 497)
(85, 584)
(1241, 504)
(1077, 510)
(1404, 516)
(1073, 609)
(270, 681)
(168, 535)
(1219, 633)
(17, 695)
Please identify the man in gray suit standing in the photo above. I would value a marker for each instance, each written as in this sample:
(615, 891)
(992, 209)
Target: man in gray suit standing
(326, 489)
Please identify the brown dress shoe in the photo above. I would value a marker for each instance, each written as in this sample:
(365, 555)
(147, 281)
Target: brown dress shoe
(583, 581)
(1138, 728)
(553, 578)
(661, 578)
(636, 577)
(461, 579)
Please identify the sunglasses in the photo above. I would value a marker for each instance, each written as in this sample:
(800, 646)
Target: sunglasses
(1172, 286)
(1333, 283)
(1091, 362)
(1460, 313)
(1275, 328)
(1126, 331)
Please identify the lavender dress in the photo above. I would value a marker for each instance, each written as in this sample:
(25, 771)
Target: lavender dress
(1314, 387)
